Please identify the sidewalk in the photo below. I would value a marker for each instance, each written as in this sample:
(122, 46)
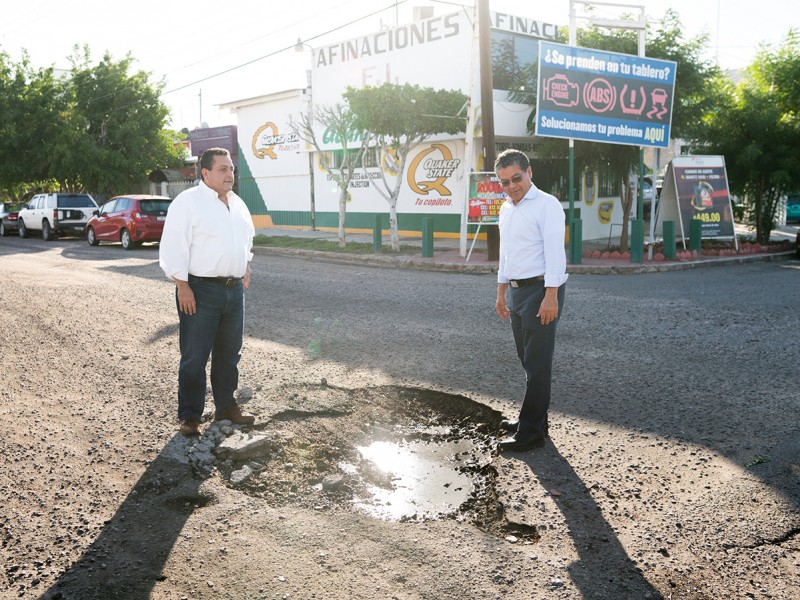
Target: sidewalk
(446, 255)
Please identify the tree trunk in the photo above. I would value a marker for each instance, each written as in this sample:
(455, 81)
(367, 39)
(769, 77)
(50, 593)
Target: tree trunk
(342, 213)
(393, 225)
(626, 200)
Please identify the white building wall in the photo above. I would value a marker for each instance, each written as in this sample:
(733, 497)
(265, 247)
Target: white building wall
(436, 52)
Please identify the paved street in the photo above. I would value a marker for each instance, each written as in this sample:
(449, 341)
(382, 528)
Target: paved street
(674, 420)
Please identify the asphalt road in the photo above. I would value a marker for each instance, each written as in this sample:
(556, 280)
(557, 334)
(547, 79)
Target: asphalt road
(687, 379)
(705, 355)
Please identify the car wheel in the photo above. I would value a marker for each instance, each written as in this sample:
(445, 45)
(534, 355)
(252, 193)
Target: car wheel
(3, 230)
(23, 231)
(91, 237)
(47, 231)
(125, 238)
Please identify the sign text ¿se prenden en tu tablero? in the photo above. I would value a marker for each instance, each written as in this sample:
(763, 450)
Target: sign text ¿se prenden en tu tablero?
(555, 57)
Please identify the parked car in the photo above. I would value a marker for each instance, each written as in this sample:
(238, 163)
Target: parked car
(130, 220)
(8, 222)
(54, 214)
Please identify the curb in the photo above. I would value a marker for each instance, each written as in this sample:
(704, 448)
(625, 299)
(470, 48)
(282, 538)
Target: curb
(418, 262)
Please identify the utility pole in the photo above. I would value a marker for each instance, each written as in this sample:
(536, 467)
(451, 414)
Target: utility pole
(487, 113)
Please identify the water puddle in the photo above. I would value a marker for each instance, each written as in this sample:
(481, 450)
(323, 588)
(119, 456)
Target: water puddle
(391, 453)
(420, 480)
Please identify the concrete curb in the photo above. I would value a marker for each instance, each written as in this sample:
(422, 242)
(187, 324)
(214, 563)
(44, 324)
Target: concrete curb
(418, 262)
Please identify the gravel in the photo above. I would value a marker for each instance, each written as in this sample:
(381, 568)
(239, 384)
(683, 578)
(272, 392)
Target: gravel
(671, 471)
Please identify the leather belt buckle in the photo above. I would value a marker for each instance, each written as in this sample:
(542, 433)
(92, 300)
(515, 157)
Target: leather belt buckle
(514, 283)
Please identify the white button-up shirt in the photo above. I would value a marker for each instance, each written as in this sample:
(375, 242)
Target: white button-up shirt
(532, 239)
(203, 237)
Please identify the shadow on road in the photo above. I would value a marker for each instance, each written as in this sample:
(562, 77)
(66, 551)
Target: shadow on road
(128, 557)
(604, 569)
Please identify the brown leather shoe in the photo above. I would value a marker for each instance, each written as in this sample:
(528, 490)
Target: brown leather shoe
(190, 427)
(235, 414)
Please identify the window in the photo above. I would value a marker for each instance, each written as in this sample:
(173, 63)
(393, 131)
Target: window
(108, 207)
(607, 183)
(123, 204)
(75, 201)
(552, 176)
(514, 61)
(154, 207)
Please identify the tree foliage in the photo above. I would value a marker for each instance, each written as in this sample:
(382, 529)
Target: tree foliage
(398, 118)
(99, 128)
(339, 122)
(31, 108)
(755, 125)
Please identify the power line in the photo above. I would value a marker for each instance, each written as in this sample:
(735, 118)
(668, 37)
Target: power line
(255, 60)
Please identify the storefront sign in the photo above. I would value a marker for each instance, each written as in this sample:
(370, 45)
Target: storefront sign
(485, 198)
(267, 140)
(430, 169)
(696, 189)
(603, 96)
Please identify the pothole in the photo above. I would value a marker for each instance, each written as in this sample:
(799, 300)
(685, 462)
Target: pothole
(392, 453)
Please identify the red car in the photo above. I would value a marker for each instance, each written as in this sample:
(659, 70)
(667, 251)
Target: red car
(130, 220)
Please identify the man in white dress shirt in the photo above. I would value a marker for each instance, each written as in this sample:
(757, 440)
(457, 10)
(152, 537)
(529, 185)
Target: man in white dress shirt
(530, 289)
(206, 249)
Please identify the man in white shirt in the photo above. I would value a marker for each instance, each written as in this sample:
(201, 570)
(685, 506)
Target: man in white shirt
(532, 273)
(206, 249)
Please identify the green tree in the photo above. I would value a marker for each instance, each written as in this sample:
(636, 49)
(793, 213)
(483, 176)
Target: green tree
(115, 133)
(398, 118)
(98, 128)
(339, 123)
(31, 111)
(756, 127)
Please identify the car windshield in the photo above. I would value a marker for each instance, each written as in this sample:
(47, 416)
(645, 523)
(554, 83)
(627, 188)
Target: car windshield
(75, 201)
(154, 207)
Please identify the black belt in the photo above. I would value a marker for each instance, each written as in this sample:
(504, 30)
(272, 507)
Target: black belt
(229, 282)
(517, 283)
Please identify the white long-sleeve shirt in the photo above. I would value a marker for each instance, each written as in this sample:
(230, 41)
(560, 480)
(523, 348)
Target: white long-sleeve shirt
(204, 237)
(532, 239)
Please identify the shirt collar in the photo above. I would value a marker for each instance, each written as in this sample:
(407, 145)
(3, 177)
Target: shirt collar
(211, 193)
(529, 195)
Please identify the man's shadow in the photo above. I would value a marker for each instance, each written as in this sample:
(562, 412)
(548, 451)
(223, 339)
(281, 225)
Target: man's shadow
(128, 556)
(603, 570)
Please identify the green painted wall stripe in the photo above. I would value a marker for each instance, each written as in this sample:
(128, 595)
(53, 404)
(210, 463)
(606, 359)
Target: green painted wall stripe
(248, 188)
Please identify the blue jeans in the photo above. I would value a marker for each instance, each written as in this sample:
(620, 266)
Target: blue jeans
(535, 344)
(216, 329)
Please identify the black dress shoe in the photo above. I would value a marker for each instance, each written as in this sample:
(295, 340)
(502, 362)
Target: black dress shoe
(509, 425)
(515, 444)
(512, 426)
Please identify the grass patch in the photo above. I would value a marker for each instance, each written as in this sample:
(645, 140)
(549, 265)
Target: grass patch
(758, 460)
(285, 241)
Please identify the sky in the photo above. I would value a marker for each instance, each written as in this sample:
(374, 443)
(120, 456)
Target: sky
(208, 53)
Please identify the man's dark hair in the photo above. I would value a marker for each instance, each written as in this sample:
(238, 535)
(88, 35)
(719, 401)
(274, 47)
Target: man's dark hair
(511, 157)
(207, 159)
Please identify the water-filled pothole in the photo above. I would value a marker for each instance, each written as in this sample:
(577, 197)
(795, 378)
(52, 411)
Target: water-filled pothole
(392, 453)
(425, 480)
